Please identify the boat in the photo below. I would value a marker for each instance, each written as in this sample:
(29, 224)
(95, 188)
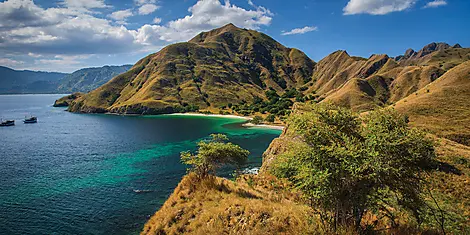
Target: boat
(31, 119)
(7, 123)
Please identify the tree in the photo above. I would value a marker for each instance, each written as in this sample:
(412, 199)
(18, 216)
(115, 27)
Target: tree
(214, 153)
(270, 118)
(346, 164)
(256, 120)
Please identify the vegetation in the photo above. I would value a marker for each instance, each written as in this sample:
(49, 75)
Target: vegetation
(347, 165)
(214, 153)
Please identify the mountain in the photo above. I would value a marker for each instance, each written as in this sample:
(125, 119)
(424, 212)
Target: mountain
(225, 65)
(87, 79)
(83, 80)
(25, 81)
(230, 65)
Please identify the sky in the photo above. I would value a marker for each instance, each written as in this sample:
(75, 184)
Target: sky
(66, 35)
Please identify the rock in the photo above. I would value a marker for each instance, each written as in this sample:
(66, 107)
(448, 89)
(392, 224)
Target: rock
(67, 100)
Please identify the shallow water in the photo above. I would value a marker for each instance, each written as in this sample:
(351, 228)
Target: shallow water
(97, 174)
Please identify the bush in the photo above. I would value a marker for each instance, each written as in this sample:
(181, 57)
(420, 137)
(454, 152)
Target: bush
(347, 165)
(270, 118)
(257, 120)
(214, 153)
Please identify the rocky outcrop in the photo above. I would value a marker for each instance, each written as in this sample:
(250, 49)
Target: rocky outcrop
(67, 100)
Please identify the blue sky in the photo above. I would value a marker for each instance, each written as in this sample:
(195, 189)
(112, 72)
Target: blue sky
(66, 35)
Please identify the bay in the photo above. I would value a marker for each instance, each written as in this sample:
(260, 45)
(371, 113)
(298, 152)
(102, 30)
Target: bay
(98, 174)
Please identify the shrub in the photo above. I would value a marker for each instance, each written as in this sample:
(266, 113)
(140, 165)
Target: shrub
(346, 165)
(256, 120)
(270, 118)
(214, 153)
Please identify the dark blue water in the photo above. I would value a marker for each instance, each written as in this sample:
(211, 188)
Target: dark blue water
(77, 174)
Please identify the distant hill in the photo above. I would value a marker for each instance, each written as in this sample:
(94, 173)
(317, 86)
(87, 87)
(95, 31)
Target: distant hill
(85, 80)
(35, 82)
(25, 81)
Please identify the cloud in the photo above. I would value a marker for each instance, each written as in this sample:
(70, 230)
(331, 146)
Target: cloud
(143, 2)
(147, 9)
(68, 30)
(84, 4)
(435, 3)
(303, 30)
(10, 62)
(121, 15)
(376, 7)
(157, 20)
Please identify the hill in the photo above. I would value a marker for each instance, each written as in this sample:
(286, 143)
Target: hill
(37, 82)
(88, 79)
(25, 81)
(233, 66)
(225, 66)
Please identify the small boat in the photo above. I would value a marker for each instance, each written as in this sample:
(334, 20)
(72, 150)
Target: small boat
(7, 123)
(31, 119)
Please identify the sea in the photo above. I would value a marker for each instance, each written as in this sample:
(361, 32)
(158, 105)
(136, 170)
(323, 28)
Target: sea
(97, 173)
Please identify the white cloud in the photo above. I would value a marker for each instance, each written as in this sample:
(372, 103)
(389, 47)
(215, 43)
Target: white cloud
(147, 9)
(28, 29)
(157, 20)
(436, 3)
(84, 4)
(9, 62)
(376, 7)
(143, 2)
(121, 15)
(34, 55)
(303, 30)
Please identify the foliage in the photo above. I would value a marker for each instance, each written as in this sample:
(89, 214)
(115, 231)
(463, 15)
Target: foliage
(347, 165)
(270, 118)
(256, 120)
(214, 153)
(274, 105)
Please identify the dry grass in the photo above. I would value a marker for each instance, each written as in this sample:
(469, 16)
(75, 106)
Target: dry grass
(251, 205)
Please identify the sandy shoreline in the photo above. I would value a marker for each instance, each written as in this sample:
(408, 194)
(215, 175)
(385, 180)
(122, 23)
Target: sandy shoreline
(263, 126)
(230, 116)
(208, 115)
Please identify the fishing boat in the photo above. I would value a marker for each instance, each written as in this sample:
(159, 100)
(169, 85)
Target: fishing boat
(7, 123)
(31, 119)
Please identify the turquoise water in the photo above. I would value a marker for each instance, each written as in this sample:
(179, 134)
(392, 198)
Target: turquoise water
(78, 174)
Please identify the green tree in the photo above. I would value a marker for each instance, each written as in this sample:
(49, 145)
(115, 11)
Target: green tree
(214, 153)
(346, 164)
(256, 120)
(270, 118)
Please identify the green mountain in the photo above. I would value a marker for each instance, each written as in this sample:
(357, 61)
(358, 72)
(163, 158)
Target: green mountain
(25, 81)
(87, 79)
(35, 82)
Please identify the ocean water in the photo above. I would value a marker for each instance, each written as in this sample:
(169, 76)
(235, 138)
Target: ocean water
(97, 174)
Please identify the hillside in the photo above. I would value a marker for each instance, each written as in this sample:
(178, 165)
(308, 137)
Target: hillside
(225, 65)
(233, 66)
(25, 81)
(264, 204)
(37, 82)
(442, 107)
(88, 79)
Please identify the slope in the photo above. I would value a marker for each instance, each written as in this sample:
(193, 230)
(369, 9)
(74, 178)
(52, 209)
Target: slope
(225, 65)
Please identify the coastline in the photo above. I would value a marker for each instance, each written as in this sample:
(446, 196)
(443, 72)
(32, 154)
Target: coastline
(207, 115)
(247, 124)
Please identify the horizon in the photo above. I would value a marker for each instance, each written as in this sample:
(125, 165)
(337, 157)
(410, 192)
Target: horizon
(69, 35)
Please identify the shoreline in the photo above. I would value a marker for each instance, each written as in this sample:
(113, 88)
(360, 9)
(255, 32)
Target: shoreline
(246, 124)
(208, 115)
(274, 127)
